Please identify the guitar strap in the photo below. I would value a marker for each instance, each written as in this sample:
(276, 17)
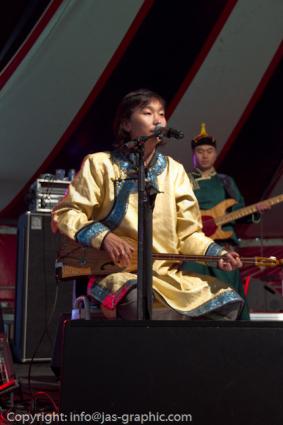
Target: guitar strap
(193, 181)
(228, 185)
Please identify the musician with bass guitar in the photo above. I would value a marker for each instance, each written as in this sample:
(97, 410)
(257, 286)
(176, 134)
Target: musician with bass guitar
(101, 209)
(213, 191)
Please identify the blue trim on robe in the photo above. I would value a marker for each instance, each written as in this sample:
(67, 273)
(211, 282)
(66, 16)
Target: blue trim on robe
(113, 219)
(85, 235)
(129, 165)
(124, 188)
(214, 249)
(216, 303)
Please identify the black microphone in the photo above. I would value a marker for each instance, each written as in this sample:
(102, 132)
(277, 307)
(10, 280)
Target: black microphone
(168, 132)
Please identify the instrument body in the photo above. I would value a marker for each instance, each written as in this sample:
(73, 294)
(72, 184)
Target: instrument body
(75, 260)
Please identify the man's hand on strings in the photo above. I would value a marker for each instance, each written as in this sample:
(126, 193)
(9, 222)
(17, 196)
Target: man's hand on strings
(230, 261)
(119, 250)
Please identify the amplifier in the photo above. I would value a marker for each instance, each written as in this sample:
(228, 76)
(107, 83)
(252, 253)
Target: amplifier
(51, 186)
(40, 298)
(46, 193)
(44, 203)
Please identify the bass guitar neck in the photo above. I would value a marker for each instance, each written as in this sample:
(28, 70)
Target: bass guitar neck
(215, 217)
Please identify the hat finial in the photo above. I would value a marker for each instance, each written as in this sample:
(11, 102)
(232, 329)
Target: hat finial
(203, 138)
(203, 132)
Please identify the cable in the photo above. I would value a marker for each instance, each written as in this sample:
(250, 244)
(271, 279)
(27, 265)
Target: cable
(37, 396)
(41, 338)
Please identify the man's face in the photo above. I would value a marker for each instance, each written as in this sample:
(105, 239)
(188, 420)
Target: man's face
(144, 119)
(204, 157)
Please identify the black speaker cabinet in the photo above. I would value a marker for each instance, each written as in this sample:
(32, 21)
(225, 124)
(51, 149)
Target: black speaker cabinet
(40, 299)
(263, 297)
(209, 372)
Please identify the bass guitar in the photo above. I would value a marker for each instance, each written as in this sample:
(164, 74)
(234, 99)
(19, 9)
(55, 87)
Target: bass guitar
(215, 217)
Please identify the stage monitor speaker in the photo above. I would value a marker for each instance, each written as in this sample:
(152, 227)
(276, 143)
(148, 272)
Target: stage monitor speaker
(263, 297)
(209, 372)
(40, 299)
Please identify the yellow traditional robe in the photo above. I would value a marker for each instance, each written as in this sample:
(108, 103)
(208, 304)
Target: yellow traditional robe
(103, 197)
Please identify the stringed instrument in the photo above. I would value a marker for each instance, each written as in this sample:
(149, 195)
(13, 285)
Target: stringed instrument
(213, 218)
(75, 260)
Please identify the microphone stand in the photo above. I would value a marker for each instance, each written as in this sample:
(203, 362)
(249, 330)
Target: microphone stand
(146, 198)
